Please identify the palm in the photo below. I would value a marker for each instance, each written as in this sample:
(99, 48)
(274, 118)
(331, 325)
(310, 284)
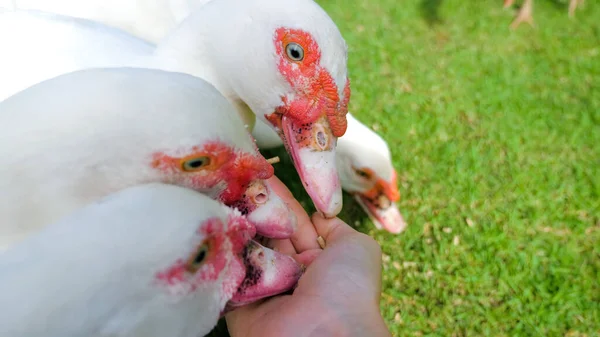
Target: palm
(337, 295)
(327, 275)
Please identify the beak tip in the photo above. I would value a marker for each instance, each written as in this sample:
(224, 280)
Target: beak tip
(328, 200)
(388, 219)
(332, 205)
(395, 229)
(276, 222)
(278, 274)
(392, 220)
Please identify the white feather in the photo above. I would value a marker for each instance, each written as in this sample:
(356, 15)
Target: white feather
(232, 49)
(70, 140)
(229, 43)
(149, 20)
(93, 272)
(38, 46)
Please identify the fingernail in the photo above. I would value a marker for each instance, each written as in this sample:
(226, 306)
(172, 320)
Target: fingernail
(318, 214)
(321, 242)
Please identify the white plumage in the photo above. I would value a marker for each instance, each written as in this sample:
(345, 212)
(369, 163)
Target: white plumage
(38, 46)
(70, 140)
(360, 147)
(149, 20)
(152, 260)
(233, 50)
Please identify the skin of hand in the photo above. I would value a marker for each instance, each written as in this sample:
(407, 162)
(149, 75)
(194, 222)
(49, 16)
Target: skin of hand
(339, 293)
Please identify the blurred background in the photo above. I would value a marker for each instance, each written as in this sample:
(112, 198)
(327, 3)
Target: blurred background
(495, 135)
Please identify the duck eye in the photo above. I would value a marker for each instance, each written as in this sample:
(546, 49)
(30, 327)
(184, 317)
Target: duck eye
(195, 164)
(196, 260)
(363, 174)
(294, 51)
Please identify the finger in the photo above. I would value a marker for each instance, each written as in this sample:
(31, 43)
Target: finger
(357, 251)
(279, 187)
(308, 256)
(240, 319)
(305, 236)
(284, 246)
(331, 229)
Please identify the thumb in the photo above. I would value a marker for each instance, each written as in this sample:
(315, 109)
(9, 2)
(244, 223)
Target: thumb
(332, 230)
(357, 250)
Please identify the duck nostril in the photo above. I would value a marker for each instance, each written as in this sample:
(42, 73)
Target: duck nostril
(384, 201)
(321, 139)
(261, 198)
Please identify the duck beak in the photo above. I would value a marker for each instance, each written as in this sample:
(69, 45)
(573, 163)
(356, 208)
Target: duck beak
(268, 273)
(380, 205)
(312, 149)
(388, 218)
(268, 212)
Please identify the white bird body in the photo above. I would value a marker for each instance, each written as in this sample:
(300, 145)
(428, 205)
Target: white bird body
(149, 20)
(151, 260)
(70, 140)
(67, 45)
(244, 53)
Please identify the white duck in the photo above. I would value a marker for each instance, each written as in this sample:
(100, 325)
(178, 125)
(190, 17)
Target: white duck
(150, 20)
(362, 157)
(284, 61)
(151, 260)
(70, 140)
(365, 166)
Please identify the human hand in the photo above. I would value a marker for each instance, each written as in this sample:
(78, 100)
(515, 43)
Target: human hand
(339, 293)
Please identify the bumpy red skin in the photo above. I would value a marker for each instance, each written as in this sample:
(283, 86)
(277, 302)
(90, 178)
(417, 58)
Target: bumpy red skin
(382, 187)
(233, 168)
(230, 251)
(315, 92)
(226, 244)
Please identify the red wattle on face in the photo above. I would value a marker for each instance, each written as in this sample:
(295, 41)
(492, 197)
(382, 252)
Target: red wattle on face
(236, 178)
(217, 246)
(389, 189)
(311, 117)
(223, 167)
(244, 169)
(315, 91)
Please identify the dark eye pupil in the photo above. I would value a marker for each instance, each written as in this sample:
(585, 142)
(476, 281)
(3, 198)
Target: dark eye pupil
(196, 163)
(295, 53)
(200, 257)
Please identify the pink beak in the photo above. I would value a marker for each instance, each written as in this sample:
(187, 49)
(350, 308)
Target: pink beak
(268, 273)
(386, 217)
(312, 148)
(269, 213)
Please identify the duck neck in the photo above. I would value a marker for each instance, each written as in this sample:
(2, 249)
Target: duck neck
(189, 49)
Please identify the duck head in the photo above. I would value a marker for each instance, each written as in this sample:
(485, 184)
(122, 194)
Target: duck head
(366, 171)
(149, 260)
(284, 62)
(101, 130)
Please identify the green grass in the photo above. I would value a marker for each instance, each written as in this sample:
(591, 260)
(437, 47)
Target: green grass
(496, 138)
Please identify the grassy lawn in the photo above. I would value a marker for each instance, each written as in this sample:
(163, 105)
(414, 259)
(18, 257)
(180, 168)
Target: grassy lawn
(496, 138)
